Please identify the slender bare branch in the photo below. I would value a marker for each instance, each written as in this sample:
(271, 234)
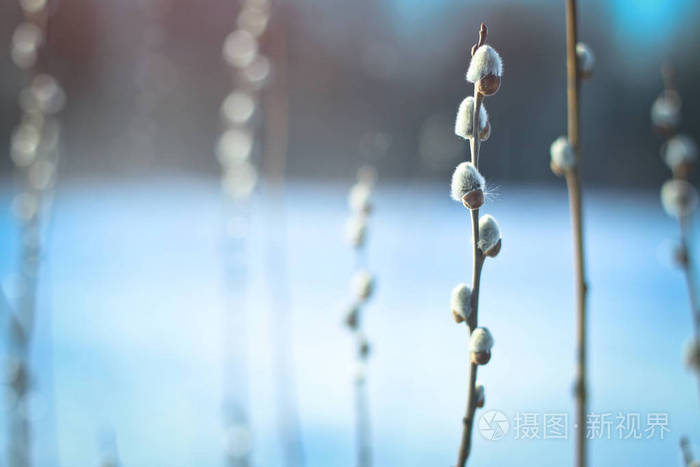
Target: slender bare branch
(575, 202)
(477, 266)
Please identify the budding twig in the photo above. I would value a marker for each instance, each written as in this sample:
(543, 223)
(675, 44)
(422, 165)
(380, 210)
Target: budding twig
(467, 185)
(360, 202)
(679, 197)
(236, 149)
(575, 206)
(35, 151)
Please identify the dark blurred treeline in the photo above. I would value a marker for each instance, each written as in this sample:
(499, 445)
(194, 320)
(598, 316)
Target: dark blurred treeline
(369, 81)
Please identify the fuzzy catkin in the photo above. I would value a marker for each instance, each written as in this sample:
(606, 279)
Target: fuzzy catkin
(678, 197)
(466, 178)
(481, 340)
(461, 301)
(562, 154)
(479, 392)
(360, 198)
(585, 58)
(484, 62)
(235, 146)
(356, 230)
(680, 150)
(489, 233)
(362, 284)
(666, 110)
(464, 125)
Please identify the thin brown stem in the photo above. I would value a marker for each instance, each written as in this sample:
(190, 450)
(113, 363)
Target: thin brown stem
(478, 262)
(688, 266)
(483, 32)
(572, 76)
(574, 187)
(472, 322)
(668, 75)
(362, 425)
(685, 450)
(21, 325)
(580, 393)
(363, 432)
(689, 271)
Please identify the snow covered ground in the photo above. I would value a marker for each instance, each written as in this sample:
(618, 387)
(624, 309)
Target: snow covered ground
(134, 297)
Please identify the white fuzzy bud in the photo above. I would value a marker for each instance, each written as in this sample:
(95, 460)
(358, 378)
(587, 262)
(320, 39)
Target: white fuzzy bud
(461, 302)
(468, 185)
(464, 125)
(692, 355)
(586, 60)
(362, 284)
(240, 49)
(562, 155)
(678, 197)
(489, 236)
(254, 19)
(479, 394)
(356, 230)
(680, 151)
(484, 62)
(25, 44)
(234, 146)
(24, 144)
(44, 95)
(360, 198)
(481, 340)
(238, 108)
(666, 110)
(239, 180)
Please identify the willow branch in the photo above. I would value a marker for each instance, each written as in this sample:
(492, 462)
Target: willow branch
(478, 262)
(574, 188)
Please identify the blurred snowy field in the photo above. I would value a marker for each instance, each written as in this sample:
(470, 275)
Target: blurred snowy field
(133, 300)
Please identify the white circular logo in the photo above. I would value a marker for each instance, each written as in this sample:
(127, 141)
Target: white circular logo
(493, 425)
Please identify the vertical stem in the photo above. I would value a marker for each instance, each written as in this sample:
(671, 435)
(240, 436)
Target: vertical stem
(689, 270)
(685, 450)
(21, 330)
(580, 395)
(362, 426)
(573, 184)
(472, 321)
(362, 415)
(690, 279)
(572, 75)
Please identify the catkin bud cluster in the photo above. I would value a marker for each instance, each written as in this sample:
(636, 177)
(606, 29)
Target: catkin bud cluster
(562, 153)
(35, 141)
(250, 68)
(362, 283)
(468, 187)
(360, 204)
(679, 197)
(34, 152)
